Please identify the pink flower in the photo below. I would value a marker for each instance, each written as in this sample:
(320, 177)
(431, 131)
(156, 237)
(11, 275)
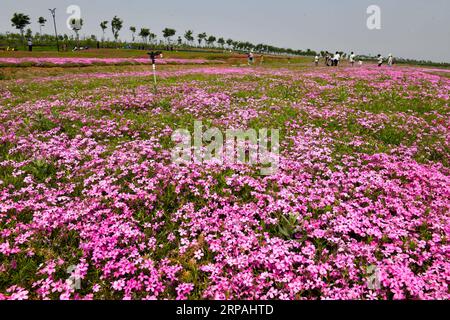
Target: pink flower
(198, 254)
(183, 290)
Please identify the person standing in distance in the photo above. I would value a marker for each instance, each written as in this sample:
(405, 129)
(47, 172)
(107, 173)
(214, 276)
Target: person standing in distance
(30, 44)
(352, 59)
(336, 59)
(390, 60)
(380, 60)
(327, 59)
(250, 58)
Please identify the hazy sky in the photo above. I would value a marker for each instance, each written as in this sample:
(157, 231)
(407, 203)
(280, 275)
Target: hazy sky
(410, 28)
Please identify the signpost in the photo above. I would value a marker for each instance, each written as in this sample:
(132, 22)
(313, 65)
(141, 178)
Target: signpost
(153, 56)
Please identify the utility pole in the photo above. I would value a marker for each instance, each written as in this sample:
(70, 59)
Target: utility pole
(53, 13)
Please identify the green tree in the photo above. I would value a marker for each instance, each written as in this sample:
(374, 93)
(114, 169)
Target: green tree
(201, 37)
(152, 37)
(144, 34)
(116, 26)
(189, 36)
(211, 40)
(168, 33)
(41, 21)
(133, 32)
(76, 25)
(20, 21)
(104, 26)
(221, 41)
(28, 33)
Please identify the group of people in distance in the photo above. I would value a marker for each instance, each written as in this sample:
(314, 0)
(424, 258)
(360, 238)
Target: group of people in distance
(334, 60)
(390, 60)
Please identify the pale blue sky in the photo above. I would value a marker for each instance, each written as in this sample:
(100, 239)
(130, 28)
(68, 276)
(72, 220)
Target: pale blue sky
(410, 28)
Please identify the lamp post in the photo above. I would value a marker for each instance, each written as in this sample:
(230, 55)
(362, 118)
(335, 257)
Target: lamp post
(153, 56)
(53, 13)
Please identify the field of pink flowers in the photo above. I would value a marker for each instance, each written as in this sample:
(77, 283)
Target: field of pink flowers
(359, 208)
(29, 61)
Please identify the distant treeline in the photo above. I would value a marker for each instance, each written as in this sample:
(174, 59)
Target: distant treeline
(19, 42)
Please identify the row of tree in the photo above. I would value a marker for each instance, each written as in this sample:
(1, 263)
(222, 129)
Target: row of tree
(21, 21)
